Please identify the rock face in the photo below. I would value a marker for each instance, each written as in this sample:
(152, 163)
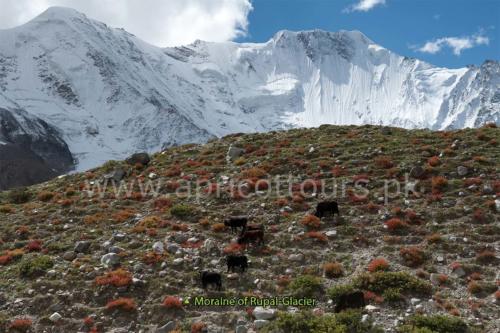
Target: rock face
(31, 151)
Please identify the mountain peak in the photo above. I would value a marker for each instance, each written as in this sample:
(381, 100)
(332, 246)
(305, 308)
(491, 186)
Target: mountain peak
(59, 13)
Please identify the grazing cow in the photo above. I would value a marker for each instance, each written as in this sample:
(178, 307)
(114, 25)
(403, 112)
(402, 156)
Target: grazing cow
(236, 261)
(350, 301)
(236, 222)
(327, 207)
(252, 227)
(255, 236)
(211, 278)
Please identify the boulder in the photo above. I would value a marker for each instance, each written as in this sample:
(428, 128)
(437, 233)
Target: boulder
(139, 158)
(110, 259)
(234, 152)
(82, 246)
(117, 174)
(417, 171)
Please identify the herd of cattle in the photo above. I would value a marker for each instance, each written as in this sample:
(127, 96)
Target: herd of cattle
(254, 234)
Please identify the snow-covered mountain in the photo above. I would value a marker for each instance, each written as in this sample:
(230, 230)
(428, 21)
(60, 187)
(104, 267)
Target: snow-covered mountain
(110, 94)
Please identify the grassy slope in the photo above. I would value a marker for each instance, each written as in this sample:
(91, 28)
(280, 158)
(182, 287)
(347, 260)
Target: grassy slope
(437, 225)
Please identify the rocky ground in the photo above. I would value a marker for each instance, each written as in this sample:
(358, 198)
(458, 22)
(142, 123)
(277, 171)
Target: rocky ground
(427, 261)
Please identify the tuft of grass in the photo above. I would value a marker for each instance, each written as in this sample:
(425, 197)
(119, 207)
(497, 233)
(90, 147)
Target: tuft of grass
(35, 266)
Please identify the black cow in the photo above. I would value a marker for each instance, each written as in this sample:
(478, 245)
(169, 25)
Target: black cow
(236, 222)
(350, 301)
(252, 227)
(255, 236)
(327, 207)
(211, 278)
(236, 261)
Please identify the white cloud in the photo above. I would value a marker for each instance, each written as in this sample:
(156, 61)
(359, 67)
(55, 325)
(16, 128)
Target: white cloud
(160, 22)
(364, 5)
(456, 44)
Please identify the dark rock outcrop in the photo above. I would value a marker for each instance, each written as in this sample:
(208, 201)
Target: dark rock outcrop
(31, 151)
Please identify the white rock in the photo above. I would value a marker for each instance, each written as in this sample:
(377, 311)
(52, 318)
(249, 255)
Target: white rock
(371, 308)
(55, 317)
(414, 301)
(264, 313)
(331, 233)
(158, 247)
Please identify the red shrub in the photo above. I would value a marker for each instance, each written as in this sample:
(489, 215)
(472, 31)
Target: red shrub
(20, 324)
(395, 225)
(281, 202)
(34, 246)
(117, 278)
(378, 264)
(338, 171)
(478, 216)
(372, 208)
(172, 302)
(162, 203)
(122, 303)
(5, 259)
(412, 256)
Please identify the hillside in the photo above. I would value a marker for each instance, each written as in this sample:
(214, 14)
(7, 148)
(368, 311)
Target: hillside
(71, 262)
(108, 94)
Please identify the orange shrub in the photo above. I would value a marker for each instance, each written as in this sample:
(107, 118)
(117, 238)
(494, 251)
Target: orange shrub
(218, 227)
(317, 235)
(45, 196)
(439, 183)
(478, 216)
(233, 248)
(254, 173)
(6, 259)
(198, 327)
(474, 287)
(311, 222)
(412, 256)
(384, 162)
(172, 302)
(338, 171)
(333, 269)
(378, 264)
(473, 181)
(122, 303)
(281, 202)
(434, 161)
(117, 278)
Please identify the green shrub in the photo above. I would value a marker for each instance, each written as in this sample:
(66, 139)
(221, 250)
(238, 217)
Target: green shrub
(392, 295)
(35, 266)
(336, 291)
(305, 286)
(304, 322)
(381, 281)
(182, 211)
(19, 196)
(434, 324)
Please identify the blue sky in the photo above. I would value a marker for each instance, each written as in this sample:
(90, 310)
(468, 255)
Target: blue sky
(402, 26)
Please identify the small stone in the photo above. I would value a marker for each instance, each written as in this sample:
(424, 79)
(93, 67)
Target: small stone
(241, 329)
(259, 323)
(168, 327)
(331, 233)
(178, 261)
(55, 317)
(364, 318)
(497, 205)
(296, 257)
(462, 171)
(69, 256)
(82, 246)
(414, 301)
